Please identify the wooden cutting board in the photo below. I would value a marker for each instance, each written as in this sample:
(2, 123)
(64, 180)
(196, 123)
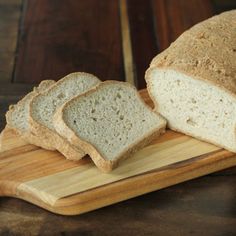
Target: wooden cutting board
(47, 179)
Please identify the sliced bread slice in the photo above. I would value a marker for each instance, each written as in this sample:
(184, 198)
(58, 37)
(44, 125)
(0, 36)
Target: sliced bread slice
(193, 82)
(16, 116)
(43, 107)
(109, 122)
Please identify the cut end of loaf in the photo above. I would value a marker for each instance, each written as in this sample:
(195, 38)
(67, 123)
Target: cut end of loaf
(194, 107)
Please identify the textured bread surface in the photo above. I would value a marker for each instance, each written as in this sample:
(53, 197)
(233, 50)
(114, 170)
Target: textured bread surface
(206, 51)
(193, 82)
(17, 115)
(109, 122)
(43, 107)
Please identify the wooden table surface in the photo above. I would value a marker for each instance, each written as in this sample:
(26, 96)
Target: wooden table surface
(46, 39)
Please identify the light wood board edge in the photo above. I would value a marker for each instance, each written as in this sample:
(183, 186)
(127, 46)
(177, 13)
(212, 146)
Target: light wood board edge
(50, 188)
(138, 185)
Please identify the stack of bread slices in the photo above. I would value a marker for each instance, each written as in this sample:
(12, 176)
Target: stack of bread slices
(81, 115)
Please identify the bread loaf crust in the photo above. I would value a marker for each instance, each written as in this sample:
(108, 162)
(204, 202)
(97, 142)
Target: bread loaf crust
(207, 51)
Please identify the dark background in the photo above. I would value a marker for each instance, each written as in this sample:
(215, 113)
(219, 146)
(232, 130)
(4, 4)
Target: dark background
(47, 39)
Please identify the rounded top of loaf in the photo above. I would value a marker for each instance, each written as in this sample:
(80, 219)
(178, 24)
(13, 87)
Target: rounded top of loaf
(206, 51)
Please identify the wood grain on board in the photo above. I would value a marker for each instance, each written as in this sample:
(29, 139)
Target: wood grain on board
(177, 210)
(47, 179)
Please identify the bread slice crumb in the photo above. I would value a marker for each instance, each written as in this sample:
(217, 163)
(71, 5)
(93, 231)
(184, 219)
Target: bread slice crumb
(109, 122)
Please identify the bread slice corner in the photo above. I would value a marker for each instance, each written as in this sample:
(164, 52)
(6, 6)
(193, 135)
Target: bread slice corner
(16, 116)
(109, 122)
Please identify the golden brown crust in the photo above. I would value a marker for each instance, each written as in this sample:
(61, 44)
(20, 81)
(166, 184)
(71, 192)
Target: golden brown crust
(207, 52)
(102, 163)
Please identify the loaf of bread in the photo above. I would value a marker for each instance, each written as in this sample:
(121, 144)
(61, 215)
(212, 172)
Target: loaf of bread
(17, 116)
(44, 105)
(108, 122)
(193, 82)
